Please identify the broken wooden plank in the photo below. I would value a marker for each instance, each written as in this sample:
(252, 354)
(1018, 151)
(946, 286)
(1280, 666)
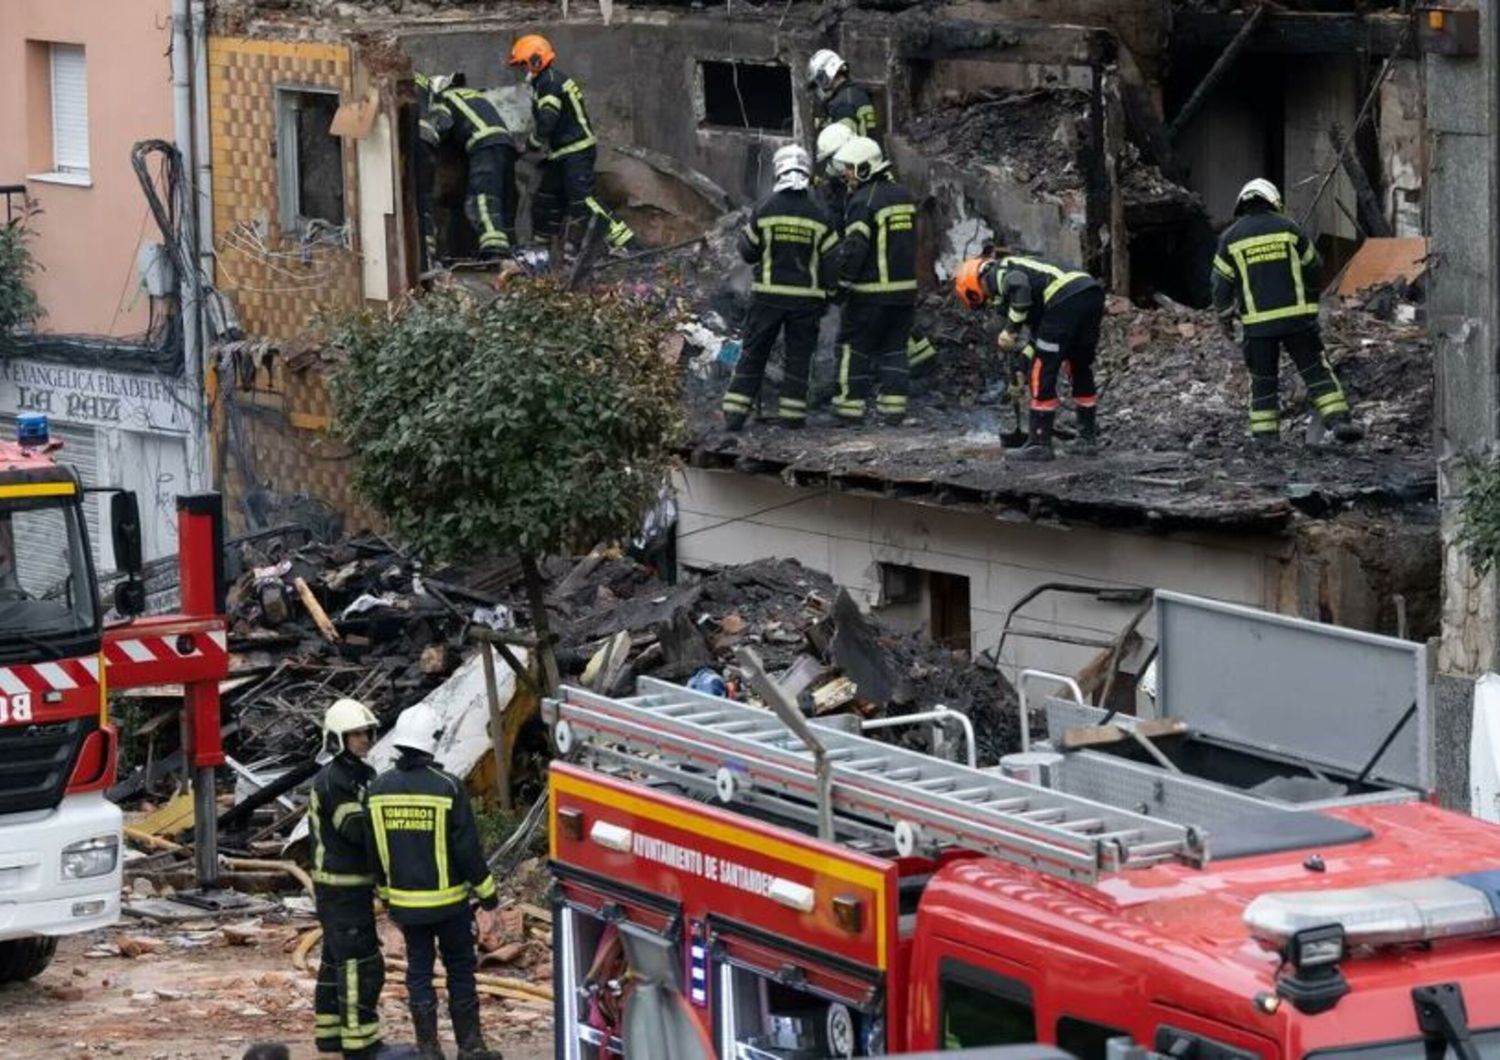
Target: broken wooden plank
(319, 616)
(1080, 736)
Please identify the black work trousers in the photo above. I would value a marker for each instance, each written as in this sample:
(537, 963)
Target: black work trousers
(453, 936)
(1067, 340)
(491, 202)
(1263, 359)
(351, 973)
(872, 345)
(567, 187)
(768, 320)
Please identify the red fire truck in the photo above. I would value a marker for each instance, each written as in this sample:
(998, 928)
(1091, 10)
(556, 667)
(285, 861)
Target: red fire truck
(1206, 882)
(59, 836)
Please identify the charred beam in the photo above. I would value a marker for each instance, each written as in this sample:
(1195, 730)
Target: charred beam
(1295, 33)
(1222, 65)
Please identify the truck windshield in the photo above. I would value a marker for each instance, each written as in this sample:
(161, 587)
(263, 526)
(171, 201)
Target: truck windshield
(1486, 1044)
(45, 584)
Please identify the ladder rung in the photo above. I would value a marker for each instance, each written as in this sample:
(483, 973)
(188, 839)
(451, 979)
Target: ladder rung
(905, 773)
(1005, 805)
(706, 719)
(1161, 848)
(936, 784)
(1086, 824)
(838, 754)
(970, 794)
(1045, 813)
(674, 710)
(865, 765)
(762, 735)
(733, 728)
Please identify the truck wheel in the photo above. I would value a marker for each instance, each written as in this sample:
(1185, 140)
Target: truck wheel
(25, 958)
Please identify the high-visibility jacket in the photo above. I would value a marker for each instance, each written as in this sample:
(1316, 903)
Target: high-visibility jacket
(787, 239)
(1026, 286)
(878, 259)
(466, 115)
(852, 106)
(1267, 271)
(429, 862)
(336, 817)
(561, 117)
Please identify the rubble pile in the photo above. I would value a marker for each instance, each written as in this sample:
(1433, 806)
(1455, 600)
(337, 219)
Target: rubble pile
(1172, 381)
(1034, 136)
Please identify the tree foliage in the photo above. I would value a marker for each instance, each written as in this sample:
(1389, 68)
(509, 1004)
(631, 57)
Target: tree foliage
(19, 307)
(1479, 513)
(538, 421)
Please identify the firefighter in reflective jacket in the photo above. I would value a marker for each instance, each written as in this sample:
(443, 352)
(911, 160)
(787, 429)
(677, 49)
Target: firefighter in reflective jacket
(787, 239)
(429, 865)
(836, 99)
(877, 277)
(351, 971)
(1052, 318)
(921, 355)
(1266, 273)
(471, 121)
(564, 133)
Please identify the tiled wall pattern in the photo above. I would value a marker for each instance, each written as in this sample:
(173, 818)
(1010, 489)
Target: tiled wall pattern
(278, 435)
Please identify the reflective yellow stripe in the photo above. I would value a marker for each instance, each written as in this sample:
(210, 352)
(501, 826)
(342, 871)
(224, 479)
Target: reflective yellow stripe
(482, 128)
(38, 489)
(427, 899)
(441, 834)
(865, 116)
(892, 285)
(550, 101)
(1018, 315)
(574, 147)
(1305, 310)
(341, 879)
(782, 288)
(1224, 268)
(325, 1019)
(344, 811)
(1310, 255)
(351, 996)
(858, 226)
(485, 888)
(735, 402)
(382, 849)
(315, 825)
(441, 802)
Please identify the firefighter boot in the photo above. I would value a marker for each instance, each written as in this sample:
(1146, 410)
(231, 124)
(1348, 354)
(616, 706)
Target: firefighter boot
(1039, 445)
(1087, 442)
(425, 1019)
(734, 422)
(1344, 428)
(466, 1029)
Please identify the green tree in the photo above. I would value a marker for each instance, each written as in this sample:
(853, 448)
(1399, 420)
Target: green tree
(19, 307)
(1479, 512)
(531, 422)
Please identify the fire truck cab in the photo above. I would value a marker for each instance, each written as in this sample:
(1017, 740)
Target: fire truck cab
(1213, 882)
(60, 849)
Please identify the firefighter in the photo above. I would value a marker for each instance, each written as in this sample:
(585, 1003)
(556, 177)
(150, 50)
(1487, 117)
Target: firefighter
(471, 121)
(1052, 318)
(428, 141)
(836, 99)
(877, 278)
(352, 970)
(786, 238)
(1266, 273)
(429, 865)
(921, 355)
(564, 133)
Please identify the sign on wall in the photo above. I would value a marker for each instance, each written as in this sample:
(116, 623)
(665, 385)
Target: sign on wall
(95, 396)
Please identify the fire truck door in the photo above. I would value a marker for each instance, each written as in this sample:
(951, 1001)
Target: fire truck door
(1177, 1032)
(657, 1021)
(968, 998)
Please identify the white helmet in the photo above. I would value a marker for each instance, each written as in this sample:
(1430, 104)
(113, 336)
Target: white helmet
(824, 68)
(1259, 188)
(417, 729)
(344, 717)
(831, 139)
(862, 157)
(792, 167)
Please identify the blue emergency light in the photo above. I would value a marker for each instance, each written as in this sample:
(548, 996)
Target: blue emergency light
(31, 430)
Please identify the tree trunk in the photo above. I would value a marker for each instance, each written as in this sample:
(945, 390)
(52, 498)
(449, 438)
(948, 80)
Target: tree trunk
(536, 594)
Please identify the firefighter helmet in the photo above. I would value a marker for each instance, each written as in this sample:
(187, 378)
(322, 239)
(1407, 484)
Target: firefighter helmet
(791, 167)
(862, 157)
(437, 84)
(830, 140)
(344, 717)
(532, 51)
(1262, 189)
(968, 282)
(417, 729)
(824, 68)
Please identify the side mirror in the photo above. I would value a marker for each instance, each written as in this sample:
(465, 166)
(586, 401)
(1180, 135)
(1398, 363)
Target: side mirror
(130, 597)
(125, 529)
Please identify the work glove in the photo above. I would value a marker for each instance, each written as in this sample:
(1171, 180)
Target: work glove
(490, 904)
(1008, 341)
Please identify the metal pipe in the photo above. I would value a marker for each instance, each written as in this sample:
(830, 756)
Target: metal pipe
(188, 290)
(1025, 678)
(791, 716)
(203, 169)
(938, 713)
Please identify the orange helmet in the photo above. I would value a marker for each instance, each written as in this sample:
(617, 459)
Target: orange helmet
(968, 283)
(532, 51)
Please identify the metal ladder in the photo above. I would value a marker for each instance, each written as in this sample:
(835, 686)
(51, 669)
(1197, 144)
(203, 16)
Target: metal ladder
(883, 796)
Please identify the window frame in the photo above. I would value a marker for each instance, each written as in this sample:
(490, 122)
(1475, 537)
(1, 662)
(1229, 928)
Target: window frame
(78, 168)
(289, 155)
(956, 970)
(705, 124)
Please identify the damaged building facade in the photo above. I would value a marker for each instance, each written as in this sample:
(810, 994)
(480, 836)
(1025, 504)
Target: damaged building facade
(1112, 134)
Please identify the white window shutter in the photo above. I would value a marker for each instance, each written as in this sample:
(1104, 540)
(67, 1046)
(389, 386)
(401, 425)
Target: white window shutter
(70, 109)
